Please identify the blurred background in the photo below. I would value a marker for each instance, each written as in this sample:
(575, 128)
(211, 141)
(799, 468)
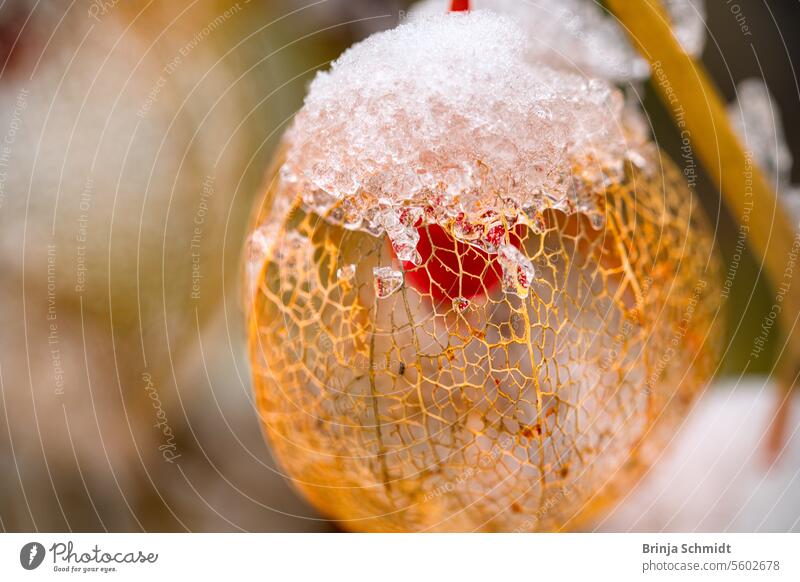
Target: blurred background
(135, 135)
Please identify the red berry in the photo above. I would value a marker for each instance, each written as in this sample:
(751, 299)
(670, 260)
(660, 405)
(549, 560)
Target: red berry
(451, 268)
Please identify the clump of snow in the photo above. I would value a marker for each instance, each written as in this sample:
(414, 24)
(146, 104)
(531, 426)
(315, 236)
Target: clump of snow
(579, 35)
(688, 19)
(445, 118)
(518, 270)
(756, 117)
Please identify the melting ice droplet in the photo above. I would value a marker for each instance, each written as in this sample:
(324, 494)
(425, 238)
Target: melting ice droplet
(256, 247)
(517, 270)
(399, 226)
(387, 281)
(460, 304)
(756, 119)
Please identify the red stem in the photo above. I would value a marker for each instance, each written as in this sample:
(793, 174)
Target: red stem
(459, 5)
